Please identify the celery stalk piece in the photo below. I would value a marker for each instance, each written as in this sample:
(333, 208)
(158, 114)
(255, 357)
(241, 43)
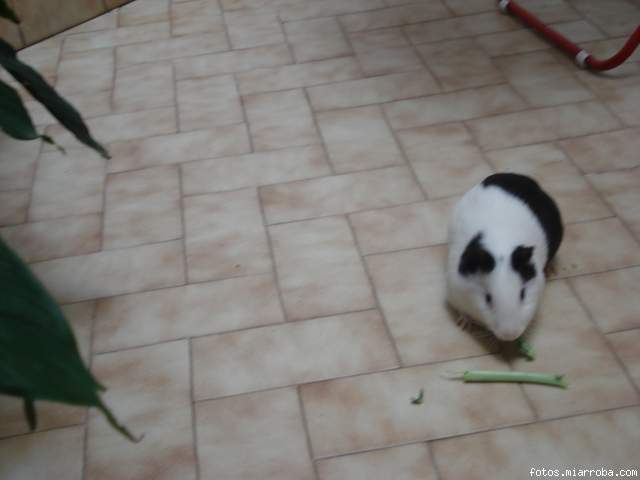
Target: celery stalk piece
(525, 349)
(509, 376)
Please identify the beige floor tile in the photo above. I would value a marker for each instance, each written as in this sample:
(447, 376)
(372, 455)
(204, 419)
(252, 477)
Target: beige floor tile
(367, 91)
(18, 162)
(624, 104)
(319, 270)
(299, 75)
(545, 124)
(192, 310)
(582, 248)
(55, 238)
(612, 298)
(92, 104)
(410, 462)
(172, 48)
(229, 448)
(144, 11)
(42, 56)
(460, 64)
(358, 139)
(234, 61)
(551, 11)
(149, 391)
(198, 16)
(290, 354)
(566, 342)
(604, 151)
(385, 51)
(117, 36)
(326, 8)
(394, 16)
(268, 5)
(372, 411)
(178, 148)
(316, 39)
(552, 84)
(510, 43)
(142, 207)
(468, 7)
(52, 414)
(67, 184)
(113, 272)
(41, 455)
(103, 22)
(626, 346)
(578, 31)
(13, 207)
(339, 194)
(280, 119)
(600, 440)
(407, 226)
(411, 289)
(254, 169)
(616, 17)
(248, 28)
(609, 85)
(621, 190)
(85, 72)
(445, 158)
(452, 107)
(208, 102)
(225, 236)
(577, 200)
(451, 28)
(118, 127)
(140, 87)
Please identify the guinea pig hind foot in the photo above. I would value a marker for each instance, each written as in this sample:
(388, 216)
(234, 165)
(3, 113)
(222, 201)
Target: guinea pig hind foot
(463, 321)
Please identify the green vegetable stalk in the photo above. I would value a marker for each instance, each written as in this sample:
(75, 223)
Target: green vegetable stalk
(508, 376)
(525, 349)
(419, 400)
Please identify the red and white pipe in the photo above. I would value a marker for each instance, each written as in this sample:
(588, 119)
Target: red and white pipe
(582, 57)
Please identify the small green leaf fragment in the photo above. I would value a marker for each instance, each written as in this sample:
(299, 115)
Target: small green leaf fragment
(525, 349)
(418, 400)
(6, 12)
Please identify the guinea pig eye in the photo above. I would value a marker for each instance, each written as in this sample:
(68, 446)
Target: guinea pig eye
(488, 298)
(522, 294)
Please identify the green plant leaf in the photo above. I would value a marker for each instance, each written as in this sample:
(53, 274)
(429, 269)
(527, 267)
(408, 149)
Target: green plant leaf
(30, 413)
(6, 12)
(37, 86)
(39, 357)
(14, 118)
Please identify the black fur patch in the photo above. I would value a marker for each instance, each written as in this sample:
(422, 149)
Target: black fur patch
(540, 203)
(475, 259)
(521, 262)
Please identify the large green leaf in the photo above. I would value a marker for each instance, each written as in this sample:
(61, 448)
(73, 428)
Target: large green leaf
(39, 357)
(14, 118)
(37, 86)
(6, 12)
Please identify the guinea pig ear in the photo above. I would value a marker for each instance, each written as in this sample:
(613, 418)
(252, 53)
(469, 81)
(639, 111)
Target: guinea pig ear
(521, 262)
(475, 258)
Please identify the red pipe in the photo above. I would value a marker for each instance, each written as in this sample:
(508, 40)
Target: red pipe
(583, 58)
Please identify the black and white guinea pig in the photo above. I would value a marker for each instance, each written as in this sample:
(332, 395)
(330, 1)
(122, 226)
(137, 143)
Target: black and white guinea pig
(502, 234)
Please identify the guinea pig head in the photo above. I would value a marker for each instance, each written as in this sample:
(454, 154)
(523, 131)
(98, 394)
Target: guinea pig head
(503, 288)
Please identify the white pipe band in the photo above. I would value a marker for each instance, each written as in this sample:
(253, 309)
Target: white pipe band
(581, 58)
(503, 5)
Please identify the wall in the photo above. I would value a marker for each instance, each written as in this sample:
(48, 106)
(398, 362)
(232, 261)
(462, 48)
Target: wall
(43, 18)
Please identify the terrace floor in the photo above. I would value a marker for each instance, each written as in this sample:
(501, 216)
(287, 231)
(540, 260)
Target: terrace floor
(257, 273)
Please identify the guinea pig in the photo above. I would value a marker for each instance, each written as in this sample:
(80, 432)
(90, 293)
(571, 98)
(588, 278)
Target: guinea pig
(502, 235)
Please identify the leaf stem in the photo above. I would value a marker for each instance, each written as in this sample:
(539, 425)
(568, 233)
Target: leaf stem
(508, 376)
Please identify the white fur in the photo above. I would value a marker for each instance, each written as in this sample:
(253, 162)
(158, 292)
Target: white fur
(505, 222)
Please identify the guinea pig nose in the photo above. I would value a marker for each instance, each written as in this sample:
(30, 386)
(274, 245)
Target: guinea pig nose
(508, 334)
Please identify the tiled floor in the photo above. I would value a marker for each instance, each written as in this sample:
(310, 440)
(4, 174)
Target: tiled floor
(257, 273)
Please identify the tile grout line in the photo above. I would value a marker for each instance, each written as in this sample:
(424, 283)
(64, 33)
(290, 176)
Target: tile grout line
(319, 134)
(183, 225)
(405, 157)
(434, 464)
(194, 421)
(307, 432)
(374, 292)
